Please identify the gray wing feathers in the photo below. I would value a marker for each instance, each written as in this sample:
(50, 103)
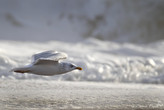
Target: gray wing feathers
(48, 57)
(44, 62)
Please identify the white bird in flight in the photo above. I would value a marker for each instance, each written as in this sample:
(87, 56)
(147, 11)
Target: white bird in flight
(47, 63)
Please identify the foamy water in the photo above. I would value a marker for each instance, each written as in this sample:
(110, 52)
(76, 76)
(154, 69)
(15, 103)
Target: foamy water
(101, 61)
(128, 49)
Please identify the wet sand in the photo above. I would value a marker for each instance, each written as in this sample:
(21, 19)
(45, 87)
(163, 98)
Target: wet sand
(54, 95)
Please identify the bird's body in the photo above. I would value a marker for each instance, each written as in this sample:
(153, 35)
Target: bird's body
(48, 64)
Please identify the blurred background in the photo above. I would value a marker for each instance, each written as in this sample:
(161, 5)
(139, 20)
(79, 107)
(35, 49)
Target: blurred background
(134, 21)
(113, 40)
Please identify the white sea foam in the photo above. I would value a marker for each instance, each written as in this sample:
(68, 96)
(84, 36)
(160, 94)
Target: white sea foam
(101, 61)
(28, 27)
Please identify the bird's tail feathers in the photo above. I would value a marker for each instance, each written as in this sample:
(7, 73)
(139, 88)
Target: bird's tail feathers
(20, 70)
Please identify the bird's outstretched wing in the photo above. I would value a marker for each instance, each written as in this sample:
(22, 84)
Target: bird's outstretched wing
(48, 57)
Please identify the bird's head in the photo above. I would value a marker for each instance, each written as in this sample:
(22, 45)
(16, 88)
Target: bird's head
(69, 67)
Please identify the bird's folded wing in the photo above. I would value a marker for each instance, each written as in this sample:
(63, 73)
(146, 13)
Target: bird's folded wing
(48, 56)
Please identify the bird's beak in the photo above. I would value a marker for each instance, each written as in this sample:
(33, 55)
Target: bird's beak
(79, 68)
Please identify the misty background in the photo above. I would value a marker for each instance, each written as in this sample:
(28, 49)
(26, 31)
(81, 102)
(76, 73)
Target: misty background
(136, 21)
(112, 40)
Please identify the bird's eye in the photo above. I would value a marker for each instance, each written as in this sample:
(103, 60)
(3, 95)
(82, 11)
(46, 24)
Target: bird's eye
(71, 66)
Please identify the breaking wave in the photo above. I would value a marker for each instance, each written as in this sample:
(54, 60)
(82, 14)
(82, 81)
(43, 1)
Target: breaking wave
(101, 61)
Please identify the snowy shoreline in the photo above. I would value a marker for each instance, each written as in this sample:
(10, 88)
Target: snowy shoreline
(39, 94)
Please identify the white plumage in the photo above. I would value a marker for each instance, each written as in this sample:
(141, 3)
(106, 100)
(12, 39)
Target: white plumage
(47, 63)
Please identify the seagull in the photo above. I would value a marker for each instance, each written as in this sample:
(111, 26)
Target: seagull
(47, 63)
